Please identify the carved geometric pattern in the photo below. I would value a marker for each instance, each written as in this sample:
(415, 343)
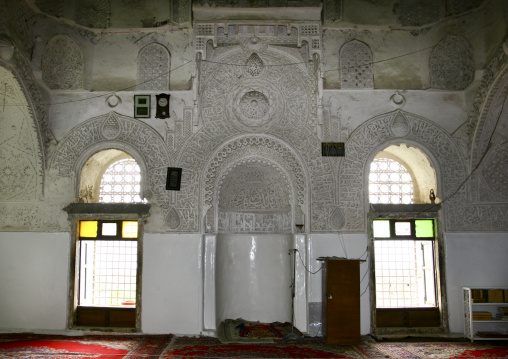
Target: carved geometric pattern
(180, 11)
(254, 65)
(356, 65)
(62, 64)
(154, 63)
(452, 64)
(93, 13)
(20, 153)
(363, 143)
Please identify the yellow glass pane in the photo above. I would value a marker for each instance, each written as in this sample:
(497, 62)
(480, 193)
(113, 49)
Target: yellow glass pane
(130, 229)
(424, 228)
(88, 229)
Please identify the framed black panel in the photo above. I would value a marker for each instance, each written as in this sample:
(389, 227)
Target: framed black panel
(174, 179)
(332, 149)
(142, 106)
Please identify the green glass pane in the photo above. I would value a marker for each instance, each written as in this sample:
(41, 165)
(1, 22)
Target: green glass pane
(381, 228)
(424, 228)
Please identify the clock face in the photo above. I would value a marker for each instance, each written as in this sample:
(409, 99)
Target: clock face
(163, 102)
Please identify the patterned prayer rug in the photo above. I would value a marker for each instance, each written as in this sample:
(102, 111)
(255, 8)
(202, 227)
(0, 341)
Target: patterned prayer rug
(434, 350)
(243, 331)
(183, 348)
(82, 347)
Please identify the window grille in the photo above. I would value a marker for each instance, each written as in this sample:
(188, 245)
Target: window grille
(108, 263)
(108, 272)
(404, 263)
(121, 183)
(390, 182)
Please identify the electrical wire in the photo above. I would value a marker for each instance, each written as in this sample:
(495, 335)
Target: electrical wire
(243, 65)
(304, 266)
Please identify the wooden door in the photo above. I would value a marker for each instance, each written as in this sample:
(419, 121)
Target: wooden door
(341, 299)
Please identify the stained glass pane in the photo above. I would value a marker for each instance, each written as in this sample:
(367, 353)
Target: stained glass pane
(424, 228)
(88, 229)
(129, 229)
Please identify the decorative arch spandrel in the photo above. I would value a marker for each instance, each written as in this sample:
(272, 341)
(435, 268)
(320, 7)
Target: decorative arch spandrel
(116, 131)
(366, 140)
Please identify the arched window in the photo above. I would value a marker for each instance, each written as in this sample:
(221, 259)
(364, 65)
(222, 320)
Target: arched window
(121, 183)
(390, 182)
(111, 176)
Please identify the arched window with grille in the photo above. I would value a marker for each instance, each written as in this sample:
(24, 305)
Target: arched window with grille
(121, 183)
(390, 182)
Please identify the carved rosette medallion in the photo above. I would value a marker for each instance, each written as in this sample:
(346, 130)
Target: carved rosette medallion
(255, 105)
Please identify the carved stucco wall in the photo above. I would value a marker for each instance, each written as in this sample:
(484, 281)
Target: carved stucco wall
(258, 88)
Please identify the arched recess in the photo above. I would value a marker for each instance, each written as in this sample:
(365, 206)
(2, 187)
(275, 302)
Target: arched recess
(355, 65)
(377, 133)
(62, 64)
(418, 165)
(21, 69)
(116, 131)
(154, 63)
(21, 156)
(264, 151)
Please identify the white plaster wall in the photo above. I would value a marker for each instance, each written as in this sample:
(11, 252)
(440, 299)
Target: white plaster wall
(253, 277)
(473, 260)
(346, 245)
(33, 280)
(172, 284)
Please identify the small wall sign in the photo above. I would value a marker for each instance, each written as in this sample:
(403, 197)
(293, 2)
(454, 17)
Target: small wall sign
(142, 106)
(174, 179)
(332, 149)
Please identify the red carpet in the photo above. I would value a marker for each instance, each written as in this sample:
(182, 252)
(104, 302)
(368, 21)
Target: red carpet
(82, 347)
(170, 347)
